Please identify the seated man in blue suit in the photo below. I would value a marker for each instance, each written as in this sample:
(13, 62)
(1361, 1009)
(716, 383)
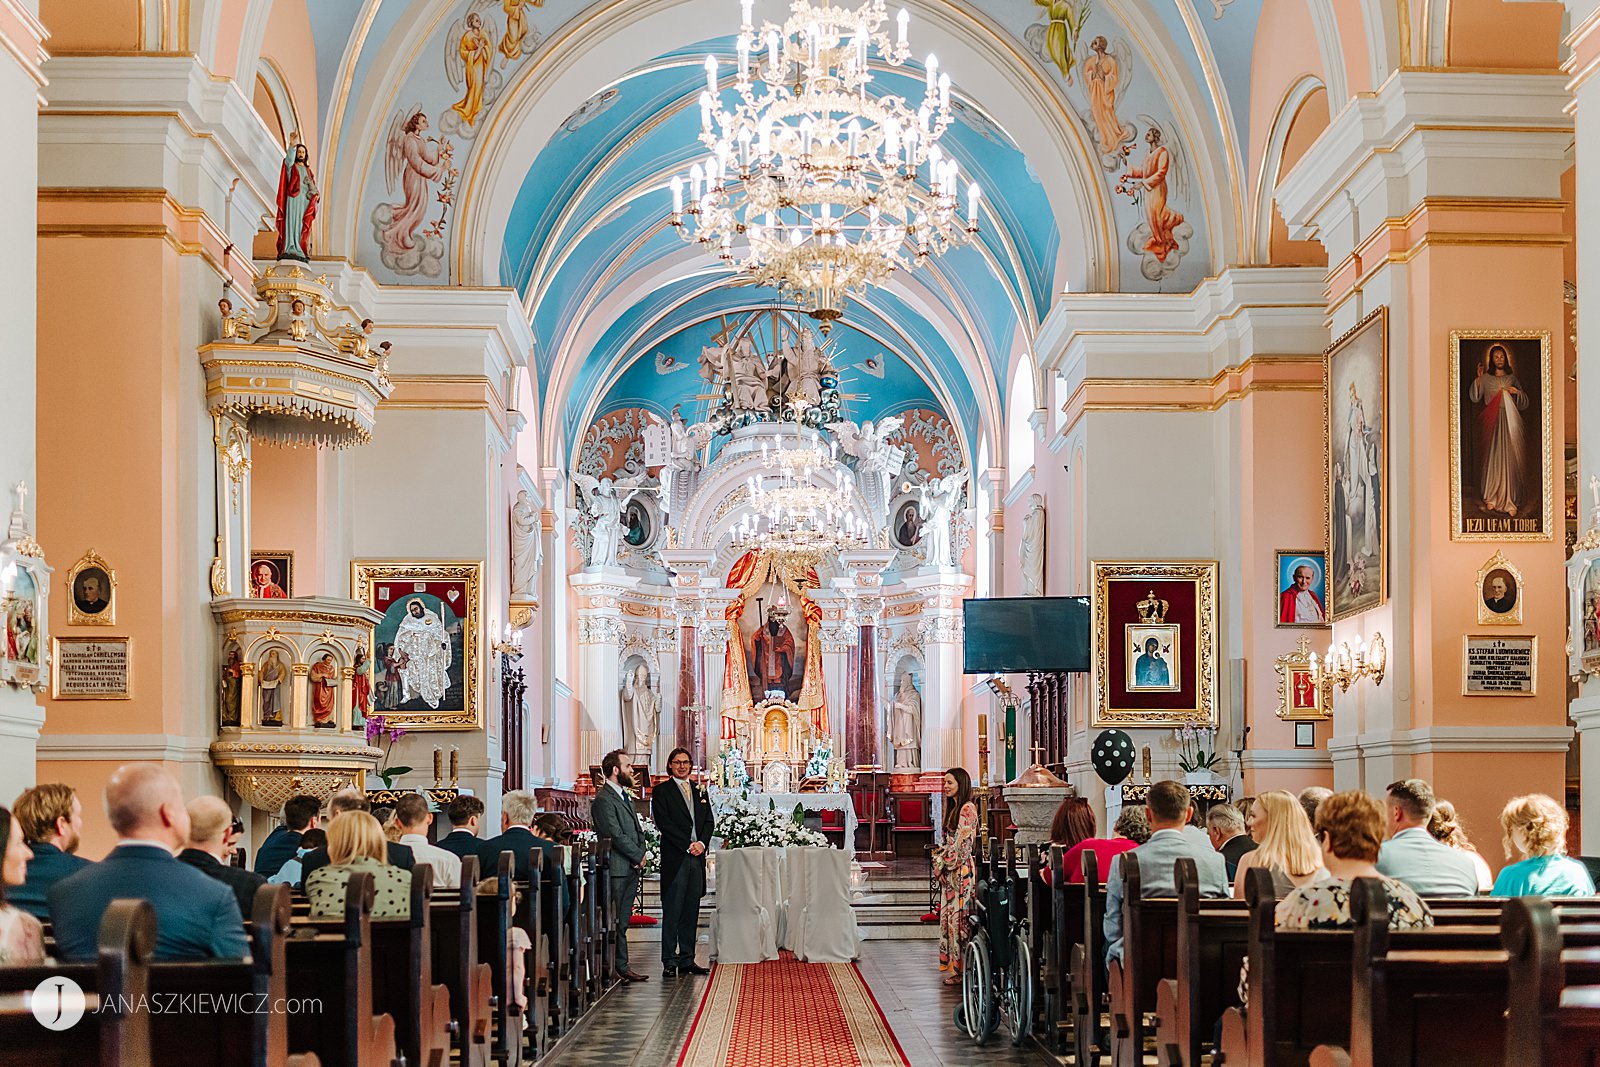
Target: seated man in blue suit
(52, 824)
(299, 815)
(196, 916)
(517, 810)
(1169, 808)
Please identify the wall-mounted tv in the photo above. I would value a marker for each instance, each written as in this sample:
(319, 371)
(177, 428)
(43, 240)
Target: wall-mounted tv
(1006, 635)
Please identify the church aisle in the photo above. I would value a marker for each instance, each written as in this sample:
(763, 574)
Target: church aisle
(645, 1025)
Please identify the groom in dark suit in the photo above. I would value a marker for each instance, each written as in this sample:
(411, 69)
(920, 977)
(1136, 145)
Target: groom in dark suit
(682, 813)
(613, 816)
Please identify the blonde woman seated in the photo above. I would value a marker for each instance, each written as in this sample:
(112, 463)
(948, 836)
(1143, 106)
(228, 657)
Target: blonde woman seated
(356, 844)
(1445, 826)
(1536, 827)
(1287, 847)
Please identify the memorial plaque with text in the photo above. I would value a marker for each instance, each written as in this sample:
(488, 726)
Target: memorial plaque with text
(92, 668)
(1499, 666)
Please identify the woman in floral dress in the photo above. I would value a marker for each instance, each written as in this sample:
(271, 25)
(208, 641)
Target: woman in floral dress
(954, 867)
(21, 936)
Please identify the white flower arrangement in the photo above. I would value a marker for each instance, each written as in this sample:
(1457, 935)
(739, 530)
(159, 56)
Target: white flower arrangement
(744, 825)
(652, 843)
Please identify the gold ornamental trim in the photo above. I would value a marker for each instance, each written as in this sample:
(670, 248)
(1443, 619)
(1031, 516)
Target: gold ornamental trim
(1203, 573)
(365, 574)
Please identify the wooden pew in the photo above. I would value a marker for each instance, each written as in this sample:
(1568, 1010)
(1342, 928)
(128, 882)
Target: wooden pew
(1066, 930)
(605, 922)
(1554, 1009)
(403, 978)
(494, 946)
(1088, 992)
(1213, 939)
(336, 970)
(1037, 904)
(469, 982)
(1149, 954)
(242, 1018)
(115, 1028)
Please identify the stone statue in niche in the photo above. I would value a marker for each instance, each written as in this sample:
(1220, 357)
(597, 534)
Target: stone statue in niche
(360, 687)
(269, 680)
(1033, 548)
(641, 711)
(297, 203)
(524, 544)
(905, 725)
(324, 692)
(937, 500)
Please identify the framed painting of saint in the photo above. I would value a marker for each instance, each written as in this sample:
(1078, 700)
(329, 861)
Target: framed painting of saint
(426, 648)
(1357, 404)
(1302, 590)
(1502, 475)
(1155, 659)
(272, 574)
(93, 587)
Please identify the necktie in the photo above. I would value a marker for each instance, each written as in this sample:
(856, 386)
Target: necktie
(688, 800)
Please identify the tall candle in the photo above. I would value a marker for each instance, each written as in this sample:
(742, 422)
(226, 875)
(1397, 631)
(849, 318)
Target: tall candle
(455, 764)
(438, 765)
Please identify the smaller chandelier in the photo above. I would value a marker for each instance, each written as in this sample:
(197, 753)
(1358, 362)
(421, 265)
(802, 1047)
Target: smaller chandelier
(829, 198)
(793, 517)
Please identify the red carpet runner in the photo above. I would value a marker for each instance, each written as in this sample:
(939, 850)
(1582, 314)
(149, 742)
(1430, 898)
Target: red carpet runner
(784, 1013)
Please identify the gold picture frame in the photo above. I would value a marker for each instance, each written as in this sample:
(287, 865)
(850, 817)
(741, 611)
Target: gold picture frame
(1357, 361)
(281, 564)
(1305, 694)
(1499, 644)
(91, 570)
(63, 662)
(1505, 609)
(452, 592)
(1178, 597)
(1467, 505)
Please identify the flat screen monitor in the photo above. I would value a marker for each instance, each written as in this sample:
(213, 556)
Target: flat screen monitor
(1006, 635)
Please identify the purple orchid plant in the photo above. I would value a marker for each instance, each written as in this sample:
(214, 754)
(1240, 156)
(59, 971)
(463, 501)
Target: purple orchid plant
(380, 733)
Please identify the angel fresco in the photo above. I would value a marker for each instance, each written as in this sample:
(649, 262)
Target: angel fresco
(1060, 35)
(516, 29)
(414, 161)
(469, 65)
(1106, 69)
(1163, 237)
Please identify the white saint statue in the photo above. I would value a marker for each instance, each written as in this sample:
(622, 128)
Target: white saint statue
(524, 544)
(1033, 548)
(606, 501)
(936, 502)
(425, 668)
(684, 443)
(641, 710)
(905, 725)
(749, 374)
(877, 461)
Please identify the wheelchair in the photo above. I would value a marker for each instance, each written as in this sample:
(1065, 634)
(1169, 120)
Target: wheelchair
(997, 963)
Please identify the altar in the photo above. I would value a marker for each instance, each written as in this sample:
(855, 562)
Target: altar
(809, 802)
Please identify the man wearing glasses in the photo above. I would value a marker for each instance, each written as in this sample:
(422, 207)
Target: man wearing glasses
(682, 812)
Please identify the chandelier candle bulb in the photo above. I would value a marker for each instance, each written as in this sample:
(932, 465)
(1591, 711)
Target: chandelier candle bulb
(747, 9)
(904, 20)
(933, 73)
(944, 91)
(711, 74)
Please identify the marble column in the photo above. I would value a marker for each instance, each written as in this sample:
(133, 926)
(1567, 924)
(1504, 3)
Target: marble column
(868, 726)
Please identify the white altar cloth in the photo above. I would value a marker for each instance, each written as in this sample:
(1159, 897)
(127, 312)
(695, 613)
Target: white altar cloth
(785, 802)
(773, 898)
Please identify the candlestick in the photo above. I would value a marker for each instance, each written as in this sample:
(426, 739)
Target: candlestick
(438, 766)
(455, 765)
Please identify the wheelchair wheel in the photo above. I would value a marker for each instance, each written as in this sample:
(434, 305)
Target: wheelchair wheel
(1019, 991)
(977, 989)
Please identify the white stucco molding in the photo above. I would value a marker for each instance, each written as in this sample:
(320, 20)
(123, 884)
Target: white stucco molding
(21, 720)
(125, 748)
(1440, 739)
(1286, 759)
(1427, 134)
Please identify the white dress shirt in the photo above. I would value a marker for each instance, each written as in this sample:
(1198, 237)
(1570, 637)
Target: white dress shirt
(446, 865)
(1428, 865)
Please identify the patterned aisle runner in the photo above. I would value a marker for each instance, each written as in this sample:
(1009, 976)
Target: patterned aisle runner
(784, 1013)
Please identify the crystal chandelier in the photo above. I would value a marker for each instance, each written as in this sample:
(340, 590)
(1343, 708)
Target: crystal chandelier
(829, 197)
(794, 517)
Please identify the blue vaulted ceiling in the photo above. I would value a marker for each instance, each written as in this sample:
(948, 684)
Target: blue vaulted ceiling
(591, 213)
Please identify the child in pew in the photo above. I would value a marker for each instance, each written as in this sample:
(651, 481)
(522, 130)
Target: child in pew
(290, 873)
(1536, 827)
(21, 935)
(1350, 828)
(520, 944)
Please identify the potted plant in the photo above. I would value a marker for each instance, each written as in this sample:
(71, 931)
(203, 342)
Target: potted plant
(380, 733)
(1198, 757)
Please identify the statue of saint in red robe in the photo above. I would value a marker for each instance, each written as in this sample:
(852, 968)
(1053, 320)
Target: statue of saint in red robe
(772, 656)
(297, 204)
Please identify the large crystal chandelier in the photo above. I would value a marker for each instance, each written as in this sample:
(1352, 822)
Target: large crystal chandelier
(836, 187)
(795, 516)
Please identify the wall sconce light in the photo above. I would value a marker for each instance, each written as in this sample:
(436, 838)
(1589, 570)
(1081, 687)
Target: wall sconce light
(510, 643)
(1345, 666)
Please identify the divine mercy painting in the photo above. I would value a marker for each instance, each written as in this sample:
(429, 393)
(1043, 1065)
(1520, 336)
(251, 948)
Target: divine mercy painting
(1501, 475)
(1358, 449)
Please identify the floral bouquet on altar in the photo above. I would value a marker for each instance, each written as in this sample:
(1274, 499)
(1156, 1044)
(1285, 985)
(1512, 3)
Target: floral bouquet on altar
(745, 825)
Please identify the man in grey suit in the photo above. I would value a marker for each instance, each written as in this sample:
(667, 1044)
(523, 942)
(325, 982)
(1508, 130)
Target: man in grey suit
(1169, 808)
(1416, 857)
(613, 816)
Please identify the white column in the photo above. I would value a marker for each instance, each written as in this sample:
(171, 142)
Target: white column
(598, 593)
(21, 81)
(945, 741)
(840, 633)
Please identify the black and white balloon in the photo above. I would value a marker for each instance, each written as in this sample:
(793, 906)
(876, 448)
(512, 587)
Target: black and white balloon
(1112, 756)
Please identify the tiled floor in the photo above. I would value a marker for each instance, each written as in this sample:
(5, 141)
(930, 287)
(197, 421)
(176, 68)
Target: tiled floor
(644, 1025)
